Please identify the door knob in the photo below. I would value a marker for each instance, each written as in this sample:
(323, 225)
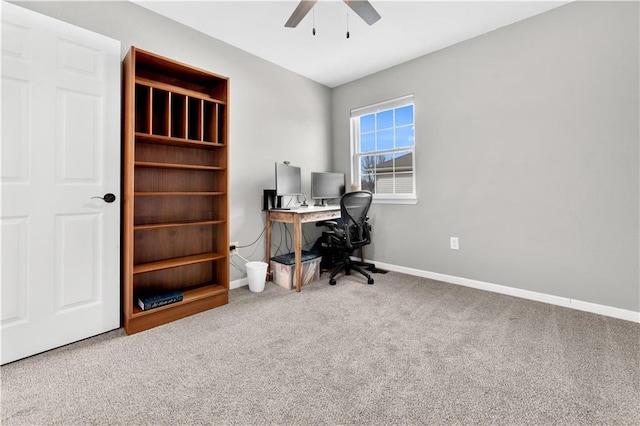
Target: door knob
(107, 198)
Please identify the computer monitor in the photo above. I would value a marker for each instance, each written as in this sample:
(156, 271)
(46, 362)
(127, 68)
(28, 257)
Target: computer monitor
(326, 185)
(288, 181)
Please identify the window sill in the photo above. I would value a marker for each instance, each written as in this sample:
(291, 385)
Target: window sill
(394, 200)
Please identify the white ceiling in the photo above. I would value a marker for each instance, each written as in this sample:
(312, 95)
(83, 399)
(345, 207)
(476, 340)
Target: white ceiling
(407, 30)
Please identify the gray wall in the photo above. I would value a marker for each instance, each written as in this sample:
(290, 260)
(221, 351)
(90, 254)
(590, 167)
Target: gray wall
(527, 150)
(275, 115)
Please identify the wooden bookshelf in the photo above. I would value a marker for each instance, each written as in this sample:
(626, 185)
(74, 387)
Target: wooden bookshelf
(175, 188)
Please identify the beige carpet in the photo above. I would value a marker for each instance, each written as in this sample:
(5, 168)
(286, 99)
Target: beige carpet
(406, 350)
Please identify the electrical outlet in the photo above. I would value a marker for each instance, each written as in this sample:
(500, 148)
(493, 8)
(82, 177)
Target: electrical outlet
(233, 247)
(455, 245)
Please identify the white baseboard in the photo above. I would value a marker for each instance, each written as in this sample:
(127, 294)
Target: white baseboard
(238, 283)
(566, 302)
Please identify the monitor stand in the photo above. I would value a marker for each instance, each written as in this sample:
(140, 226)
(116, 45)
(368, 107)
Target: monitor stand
(322, 203)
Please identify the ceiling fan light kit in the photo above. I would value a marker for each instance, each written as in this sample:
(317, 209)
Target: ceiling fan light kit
(362, 8)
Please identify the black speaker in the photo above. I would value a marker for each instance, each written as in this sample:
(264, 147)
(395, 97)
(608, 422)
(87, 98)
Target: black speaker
(268, 199)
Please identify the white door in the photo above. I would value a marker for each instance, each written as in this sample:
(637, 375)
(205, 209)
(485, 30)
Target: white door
(60, 266)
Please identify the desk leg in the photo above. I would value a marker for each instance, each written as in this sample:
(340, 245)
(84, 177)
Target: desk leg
(297, 248)
(267, 249)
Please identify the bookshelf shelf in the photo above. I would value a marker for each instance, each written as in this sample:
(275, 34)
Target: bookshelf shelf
(177, 90)
(176, 193)
(178, 224)
(175, 141)
(189, 296)
(176, 166)
(175, 262)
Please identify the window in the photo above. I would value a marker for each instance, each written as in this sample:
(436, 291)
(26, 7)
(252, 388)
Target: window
(383, 150)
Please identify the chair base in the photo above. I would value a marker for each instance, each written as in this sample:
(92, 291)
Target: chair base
(347, 265)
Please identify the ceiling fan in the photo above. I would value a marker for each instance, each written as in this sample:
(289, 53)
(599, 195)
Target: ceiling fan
(361, 7)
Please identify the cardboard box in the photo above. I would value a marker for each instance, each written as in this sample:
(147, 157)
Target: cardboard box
(283, 269)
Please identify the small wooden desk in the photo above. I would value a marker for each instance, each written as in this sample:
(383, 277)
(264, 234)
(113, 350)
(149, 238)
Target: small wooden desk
(298, 216)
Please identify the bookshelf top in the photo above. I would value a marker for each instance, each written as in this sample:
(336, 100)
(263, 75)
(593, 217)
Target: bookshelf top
(158, 68)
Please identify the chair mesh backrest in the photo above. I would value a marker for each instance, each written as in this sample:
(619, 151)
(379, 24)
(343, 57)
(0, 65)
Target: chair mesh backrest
(354, 208)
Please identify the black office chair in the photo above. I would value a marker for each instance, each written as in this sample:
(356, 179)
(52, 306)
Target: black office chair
(349, 233)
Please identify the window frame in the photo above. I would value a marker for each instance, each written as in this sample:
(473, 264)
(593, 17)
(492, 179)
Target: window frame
(356, 154)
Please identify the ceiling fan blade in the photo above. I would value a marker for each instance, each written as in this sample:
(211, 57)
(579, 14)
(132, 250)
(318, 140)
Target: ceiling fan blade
(364, 10)
(300, 12)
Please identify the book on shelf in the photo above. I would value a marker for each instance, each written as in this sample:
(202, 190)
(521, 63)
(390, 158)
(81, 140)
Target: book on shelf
(155, 300)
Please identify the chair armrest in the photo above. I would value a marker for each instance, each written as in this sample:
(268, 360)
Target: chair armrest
(329, 223)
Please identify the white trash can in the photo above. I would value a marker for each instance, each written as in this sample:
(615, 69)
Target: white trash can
(257, 275)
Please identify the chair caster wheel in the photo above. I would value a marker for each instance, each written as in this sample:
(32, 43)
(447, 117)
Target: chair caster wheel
(332, 282)
(370, 281)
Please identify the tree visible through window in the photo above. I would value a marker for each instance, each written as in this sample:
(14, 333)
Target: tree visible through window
(383, 148)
